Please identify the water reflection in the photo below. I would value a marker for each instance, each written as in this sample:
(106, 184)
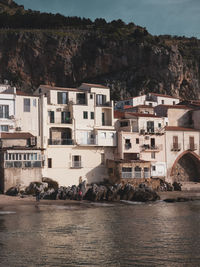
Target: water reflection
(161, 234)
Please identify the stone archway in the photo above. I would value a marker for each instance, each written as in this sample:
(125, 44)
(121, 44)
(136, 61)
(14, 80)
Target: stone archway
(186, 168)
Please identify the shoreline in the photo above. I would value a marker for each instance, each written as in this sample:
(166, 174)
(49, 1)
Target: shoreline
(16, 201)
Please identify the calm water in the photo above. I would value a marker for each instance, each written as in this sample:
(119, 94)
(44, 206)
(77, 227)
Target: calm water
(160, 234)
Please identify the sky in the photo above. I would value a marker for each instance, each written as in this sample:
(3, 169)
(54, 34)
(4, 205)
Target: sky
(175, 17)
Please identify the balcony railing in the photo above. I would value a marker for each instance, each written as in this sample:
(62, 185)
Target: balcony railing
(151, 148)
(138, 175)
(127, 175)
(176, 147)
(76, 164)
(90, 141)
(62, 142)
(60, 121)
(192, 147)
(106, 104)
(23, 164)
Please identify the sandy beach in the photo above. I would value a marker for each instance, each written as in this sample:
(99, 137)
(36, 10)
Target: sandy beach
(30, 200)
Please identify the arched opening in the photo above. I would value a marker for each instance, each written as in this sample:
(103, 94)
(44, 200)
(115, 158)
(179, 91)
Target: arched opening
(186, 168)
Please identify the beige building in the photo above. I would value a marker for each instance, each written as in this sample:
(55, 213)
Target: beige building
(20, 161)
(77, 131)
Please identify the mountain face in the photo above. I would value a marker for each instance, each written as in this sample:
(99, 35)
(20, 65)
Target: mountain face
(124, 57)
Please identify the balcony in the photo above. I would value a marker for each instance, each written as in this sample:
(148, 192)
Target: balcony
(23, 164)
(128, 146)
(61, 142)
(192, 147)
(60, 121)
(137, 175)
(76, 165)
(106, 104)
(89, 141)
(176, 147)
(151, 148)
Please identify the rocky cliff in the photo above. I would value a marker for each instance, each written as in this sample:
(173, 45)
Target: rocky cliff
(125, 57)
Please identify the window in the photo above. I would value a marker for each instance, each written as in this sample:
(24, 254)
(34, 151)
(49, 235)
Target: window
(85, 114)
(49, 163)
(65, 117)
(4, 128)
(81, 99)
(150, 126)
(27, 105)
(76, 161)
(100, 99)
(4, 111)
(159, 125)
(123, 123)
(124, 169)
(51, 116)
(127, 143)
(137, 141)
(34, 102)
(110, 170)
(103, 135)
(153, 155)
(138, 172)
(126, 103)
(174, 103)
(92, 115)
(62, 97)
(91, 96)
(175, 142)
(153, 168)
(150, 104)
(163, 102)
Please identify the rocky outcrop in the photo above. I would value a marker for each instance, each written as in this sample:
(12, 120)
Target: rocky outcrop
(128, 65)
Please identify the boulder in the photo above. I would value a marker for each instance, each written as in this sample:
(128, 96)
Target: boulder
(145, 195)
(51, 183)
(177, 186)
(13, 191)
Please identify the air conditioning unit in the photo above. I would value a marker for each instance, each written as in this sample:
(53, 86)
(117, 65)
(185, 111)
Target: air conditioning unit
(33, 141)
(18, 129)
(12, 117)
(58, 109)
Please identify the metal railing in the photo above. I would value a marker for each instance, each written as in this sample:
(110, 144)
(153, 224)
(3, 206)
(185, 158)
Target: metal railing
(23, 164)
(106, 104)
(176, 147)
(127, 175)
(76, 164)
(146, 174)
(137, 174)
(62, 142)
(60, 121)
(192, 147)
(149, 147)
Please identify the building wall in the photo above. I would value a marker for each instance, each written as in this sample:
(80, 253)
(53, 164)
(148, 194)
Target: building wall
(183, 140)
(93, 164)
(178, 117)
(27, 121)
(22, 177)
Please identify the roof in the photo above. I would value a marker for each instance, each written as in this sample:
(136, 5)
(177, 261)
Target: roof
(95, 85)
(22, 93)
(175, 106)
(163, 95)
(128, 106)
(142, 115)
(15, 135)
(143, 106)
(177, 128)
(118, 114)
(49, 87)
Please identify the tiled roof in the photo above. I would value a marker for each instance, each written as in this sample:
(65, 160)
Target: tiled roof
(163, 95)
(15, 135)
(143, 106)
(128, 106)
(175, 106)
(49, 87)
(118, 114)
(142, 115)
(22, 93)
(177, 128)
(95, 85)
